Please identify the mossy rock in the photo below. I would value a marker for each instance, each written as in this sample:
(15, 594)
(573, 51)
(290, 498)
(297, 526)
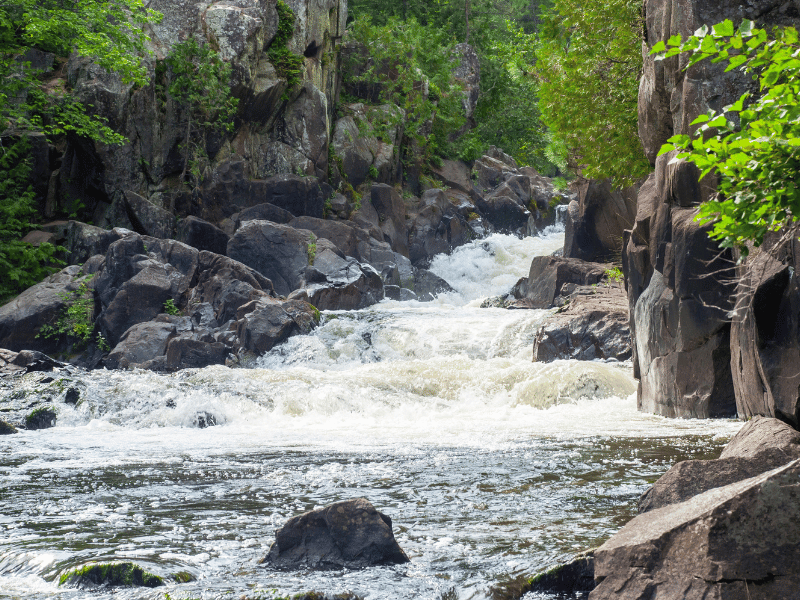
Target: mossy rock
(183, 577)
(41, 418)
(7, 428)
(124, 574)
(574, 579)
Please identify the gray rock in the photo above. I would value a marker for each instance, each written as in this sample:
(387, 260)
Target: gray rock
(549, 274)
(739, 541)
(148, 219)
(262, 324)
(202, 235)
(427, 285)
(391, 216)
(760, 434)
(139, 344)
(349, 534)
(264, 212)
(188, 353)
(342, 283)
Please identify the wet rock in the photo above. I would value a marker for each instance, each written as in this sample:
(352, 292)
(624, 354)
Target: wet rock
(391, 216)
(72, 396)
(202, 235)
(34, 362)
(201, 421)
(41, 418)
(109, 575)
(504, 212)
(738, 541)
(427, 285)
(343, 235)
(187, 353)
(338, 283)
(574, 578)
(592, 326)
(7, 428)
(394, 292)
(437, 228)
(349, 534)
(262, 324)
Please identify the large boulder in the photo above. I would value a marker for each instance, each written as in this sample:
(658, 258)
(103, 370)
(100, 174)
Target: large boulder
(337, 283)
(202, 235)
(736, 542)
(437, 228)
(391, 212)
(549, 275)
(349, 534)
(593, 325)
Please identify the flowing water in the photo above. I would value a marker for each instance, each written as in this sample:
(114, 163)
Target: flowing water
(490, 465)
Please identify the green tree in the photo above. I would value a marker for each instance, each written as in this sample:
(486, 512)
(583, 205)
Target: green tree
(110, 33)
(753, 145)
(200, 82)
(588, 66)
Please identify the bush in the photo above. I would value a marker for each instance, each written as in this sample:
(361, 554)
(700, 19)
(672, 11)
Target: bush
(753, 145)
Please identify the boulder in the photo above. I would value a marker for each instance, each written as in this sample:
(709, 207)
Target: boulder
(263, 324)
(738, 542)
(592, 326)
(503, 210)
(21, 319)
(278, 252)
(454, 174)
(549, 274)
(437, 228)
(342, 234)
(428, 285)
(264, 212)
(202, 235)
(188, 353)
(146, 218)
(761, 445)
(139, 344)
(338, 283)
(109, 575)
(349, 534)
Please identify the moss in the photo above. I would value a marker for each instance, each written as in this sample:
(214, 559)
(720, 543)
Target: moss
(183, 577)
(317, 315)
(287, 64)
(125, 574)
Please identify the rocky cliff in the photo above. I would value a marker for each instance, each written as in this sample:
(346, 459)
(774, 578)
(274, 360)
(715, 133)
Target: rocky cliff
(681, 286)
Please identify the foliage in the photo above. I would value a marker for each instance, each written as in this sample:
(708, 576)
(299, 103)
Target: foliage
(21, 265)
(426, 64)
(200, 81)
(614, 274)
(753, 145)
(110, 33)
(114, 574)
(75, 321)
(312, 249)
(588, 66)
(170, 308)
(287, 64)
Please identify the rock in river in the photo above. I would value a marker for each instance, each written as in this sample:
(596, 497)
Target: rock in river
(349, 534)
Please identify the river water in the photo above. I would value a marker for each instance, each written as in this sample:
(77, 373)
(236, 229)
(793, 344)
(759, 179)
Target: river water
(489, 465)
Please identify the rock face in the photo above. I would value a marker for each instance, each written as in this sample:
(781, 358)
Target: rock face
(549, 275)
(738, 542)
(680, 284)
(349, 534)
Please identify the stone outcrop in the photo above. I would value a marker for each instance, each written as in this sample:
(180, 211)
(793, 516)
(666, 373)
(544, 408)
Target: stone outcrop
(680, 283)
(349, 534)
(593, 325)
(550, 275)
(724, 528)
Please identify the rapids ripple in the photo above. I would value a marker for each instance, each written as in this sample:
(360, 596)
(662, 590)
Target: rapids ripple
(489, 465)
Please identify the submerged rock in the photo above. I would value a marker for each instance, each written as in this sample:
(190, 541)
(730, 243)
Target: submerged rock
(7, 428)
(349, 534)
(41, 418)
(124, 574)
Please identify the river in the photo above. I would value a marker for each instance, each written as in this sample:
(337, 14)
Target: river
(489, 465)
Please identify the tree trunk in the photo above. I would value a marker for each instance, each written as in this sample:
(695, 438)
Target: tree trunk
(466, 14)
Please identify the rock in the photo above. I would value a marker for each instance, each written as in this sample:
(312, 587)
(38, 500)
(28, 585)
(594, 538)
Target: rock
(202, 420)
(391, 216)
(454, 174)
(202, 235)
(593, 326)
(437, 228)
(264, 212)
(468, 73)
(394, 292)
(187, 353)
(738, 541)
(549, 274)
(278, 252)
(72, 396)
(343, 235)
(22, 319)
(7, 428)
(427, 285)
(338, 283)
(41, 418)
(760, 434)
(596, 224)
(139, 344)
(34, 362)
(264, 323)
(504, 211)
(148, 219)
(572, 578)
(349, 534)
(120, 574)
